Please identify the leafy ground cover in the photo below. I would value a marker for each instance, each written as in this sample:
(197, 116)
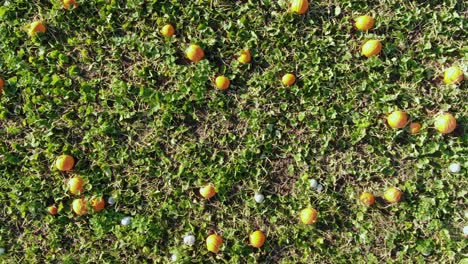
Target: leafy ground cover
(147, 127)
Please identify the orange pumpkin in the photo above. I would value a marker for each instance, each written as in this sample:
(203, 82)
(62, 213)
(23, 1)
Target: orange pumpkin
(52, 209)
(213, 243)
(393, 195)
(414, 127)
(67, 4)
(299, 6)
(288, 79)
(244, 56)
(371, 48)
(64, 162)
(167, 30)
(445, 123)
(222, 82)
(397, 119)
(257, 239)
(453, 75)
(207, 191)
(36, 27)
(367, 198)
(79, 206)
(194, 53)
(75, 185)
(364, 23)
(98, 204)
(308, 216)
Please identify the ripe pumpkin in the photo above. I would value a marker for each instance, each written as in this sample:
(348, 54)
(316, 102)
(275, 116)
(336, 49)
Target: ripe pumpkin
(207, 191)
(397, 119)
(167, 30)
(308, 216)
(257, 239)
(36, 27)
(414, 127)
(79, 206)
(244, 57)
(213, 243)
(300, 6)
(194, 53)
(445, 123)
(98, 203)
(364, 23)
(367, 198)
(75, 185)
(288, 79)
(68, 3)
(52, 209)
(453, 75)
(64, 162)
(371, 48)
(222, 82)
(393, 195)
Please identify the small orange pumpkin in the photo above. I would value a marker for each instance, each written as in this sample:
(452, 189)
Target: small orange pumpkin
(213, 243)
(308, 216)
(445, 123)
(300, 6)
(98, 203)
(257, 239)
(75, 185)
(367, 198)
(414, 127)
(194, 53)
(393, 195)
(79, 206)
(371, 48)
(208, 191)
(397, 119)
(222, 82)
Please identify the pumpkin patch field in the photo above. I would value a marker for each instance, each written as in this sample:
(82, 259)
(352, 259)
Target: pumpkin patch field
(290, 131)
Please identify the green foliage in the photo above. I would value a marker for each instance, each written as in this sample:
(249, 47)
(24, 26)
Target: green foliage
(148, 128)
